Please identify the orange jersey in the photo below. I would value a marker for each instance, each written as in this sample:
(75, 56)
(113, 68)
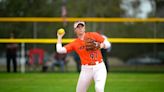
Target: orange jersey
(78, 45)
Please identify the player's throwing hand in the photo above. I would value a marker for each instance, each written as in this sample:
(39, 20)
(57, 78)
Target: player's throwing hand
(60, 32)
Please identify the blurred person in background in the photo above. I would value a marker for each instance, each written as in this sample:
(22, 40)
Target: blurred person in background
(77, 61)
(11, 54)
(60, 61)
(105, 52)
(105, 55)
(53, 61)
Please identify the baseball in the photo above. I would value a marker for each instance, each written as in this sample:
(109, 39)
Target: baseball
(61, 31)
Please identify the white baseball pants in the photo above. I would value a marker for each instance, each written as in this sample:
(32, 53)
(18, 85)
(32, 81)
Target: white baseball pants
(88, 73)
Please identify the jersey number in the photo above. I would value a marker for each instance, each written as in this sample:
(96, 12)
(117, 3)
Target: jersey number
(93, 56)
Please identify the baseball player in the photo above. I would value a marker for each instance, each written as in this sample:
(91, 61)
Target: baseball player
(87, 45)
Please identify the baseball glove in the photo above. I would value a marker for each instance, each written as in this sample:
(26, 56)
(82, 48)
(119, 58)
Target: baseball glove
(91, 44)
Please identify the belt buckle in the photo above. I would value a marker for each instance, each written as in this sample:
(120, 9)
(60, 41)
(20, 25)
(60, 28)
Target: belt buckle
(92, 63)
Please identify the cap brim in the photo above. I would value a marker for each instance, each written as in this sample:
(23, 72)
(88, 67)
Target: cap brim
(78, 23)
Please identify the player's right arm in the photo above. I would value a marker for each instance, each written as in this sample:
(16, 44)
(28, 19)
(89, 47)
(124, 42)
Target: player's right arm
(59, 47)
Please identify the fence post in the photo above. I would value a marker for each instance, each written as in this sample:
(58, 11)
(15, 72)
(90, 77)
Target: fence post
(22, 60)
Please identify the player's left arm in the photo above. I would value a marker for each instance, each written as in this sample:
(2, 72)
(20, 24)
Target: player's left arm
(104, 43)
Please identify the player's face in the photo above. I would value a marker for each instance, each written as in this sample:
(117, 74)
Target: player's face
(80, 29)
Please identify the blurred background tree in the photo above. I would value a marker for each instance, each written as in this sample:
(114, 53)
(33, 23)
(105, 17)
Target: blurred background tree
(86, 8)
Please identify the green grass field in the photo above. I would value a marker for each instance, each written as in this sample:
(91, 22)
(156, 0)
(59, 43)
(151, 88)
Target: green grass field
(66, 82)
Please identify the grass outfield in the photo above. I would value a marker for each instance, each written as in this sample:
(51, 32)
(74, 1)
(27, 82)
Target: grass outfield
(66, 82)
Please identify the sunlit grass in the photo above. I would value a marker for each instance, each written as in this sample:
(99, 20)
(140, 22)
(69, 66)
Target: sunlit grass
(66, 82)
